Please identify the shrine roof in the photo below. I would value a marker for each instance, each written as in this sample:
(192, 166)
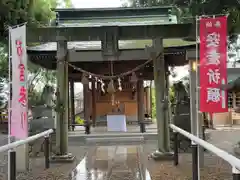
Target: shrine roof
(135, 27)
(115, 17)
(121, 21)
(107, 17)
(123, 45)
(108, 13)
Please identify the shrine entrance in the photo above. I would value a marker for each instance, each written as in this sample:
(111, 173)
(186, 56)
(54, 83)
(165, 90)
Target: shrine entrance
(112, 52)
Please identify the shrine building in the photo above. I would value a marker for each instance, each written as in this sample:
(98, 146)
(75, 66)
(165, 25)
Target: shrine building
(112, 52)
(130, 54)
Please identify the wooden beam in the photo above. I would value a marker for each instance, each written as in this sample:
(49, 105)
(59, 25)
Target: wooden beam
(51, 34)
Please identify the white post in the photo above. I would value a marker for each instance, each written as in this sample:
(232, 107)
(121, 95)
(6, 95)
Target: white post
(9, 95)
(198, 113)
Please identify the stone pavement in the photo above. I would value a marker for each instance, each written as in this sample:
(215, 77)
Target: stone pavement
(123, 162)
(103, 129)
(225, 138)
(112, 161)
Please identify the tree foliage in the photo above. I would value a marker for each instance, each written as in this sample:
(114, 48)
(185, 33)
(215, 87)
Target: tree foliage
(192, 8)
(153, 103)
(35, 13)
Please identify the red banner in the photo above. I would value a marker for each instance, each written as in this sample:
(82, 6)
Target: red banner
(213, 64)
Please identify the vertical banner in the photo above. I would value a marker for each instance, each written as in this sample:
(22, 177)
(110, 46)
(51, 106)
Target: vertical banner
(213, 64)
(19, 109)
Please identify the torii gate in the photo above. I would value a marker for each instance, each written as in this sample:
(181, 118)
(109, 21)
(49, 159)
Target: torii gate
(110, 35)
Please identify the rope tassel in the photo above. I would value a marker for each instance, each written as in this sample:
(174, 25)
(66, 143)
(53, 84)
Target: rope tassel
(111, 88)
(84, 79)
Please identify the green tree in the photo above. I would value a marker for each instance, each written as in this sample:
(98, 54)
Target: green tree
(36, 13)
(153, 103)
(192, 8)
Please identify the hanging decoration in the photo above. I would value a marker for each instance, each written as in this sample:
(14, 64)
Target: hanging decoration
(119, 84)
(102, 86)
(111, 88)
(84, 79)
(104, 77)
(111, 91)
(100, 78)
(134, 79)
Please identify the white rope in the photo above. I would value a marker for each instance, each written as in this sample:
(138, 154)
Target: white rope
(104, 77)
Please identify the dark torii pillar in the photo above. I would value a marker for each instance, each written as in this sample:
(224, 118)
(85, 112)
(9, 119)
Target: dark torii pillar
(140, 102)
(94, 102)
(86, 108)
(148, 100)
(157, 54)
(62, 103)
(151, 99)
(72, 101)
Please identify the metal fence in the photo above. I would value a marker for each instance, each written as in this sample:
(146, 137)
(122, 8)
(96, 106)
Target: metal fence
(233, 161)
(8, 153)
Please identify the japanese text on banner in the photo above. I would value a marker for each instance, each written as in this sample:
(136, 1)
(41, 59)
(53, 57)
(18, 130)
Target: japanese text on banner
(19, 109)
(213, 58)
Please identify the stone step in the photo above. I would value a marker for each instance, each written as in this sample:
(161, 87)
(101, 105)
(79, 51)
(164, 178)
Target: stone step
(77, 138)
(115, 134)
(90, 140)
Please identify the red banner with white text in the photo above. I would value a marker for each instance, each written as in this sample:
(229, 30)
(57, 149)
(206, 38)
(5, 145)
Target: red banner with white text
(213, 64)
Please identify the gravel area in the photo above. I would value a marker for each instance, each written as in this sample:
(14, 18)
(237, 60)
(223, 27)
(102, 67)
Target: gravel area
(214, 167)
(225, 139)
(37, 171)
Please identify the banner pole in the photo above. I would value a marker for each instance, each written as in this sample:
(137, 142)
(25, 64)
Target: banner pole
(197, 96)
(9, 98)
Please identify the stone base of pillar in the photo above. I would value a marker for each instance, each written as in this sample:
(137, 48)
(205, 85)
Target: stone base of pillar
(68, 158)
(158, 156)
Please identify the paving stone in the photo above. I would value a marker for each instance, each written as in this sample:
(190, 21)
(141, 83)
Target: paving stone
(113, 163)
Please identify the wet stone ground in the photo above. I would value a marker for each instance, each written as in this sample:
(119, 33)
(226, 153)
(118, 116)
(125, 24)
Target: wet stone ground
(129, 162)
(111, 163)
(117, 163)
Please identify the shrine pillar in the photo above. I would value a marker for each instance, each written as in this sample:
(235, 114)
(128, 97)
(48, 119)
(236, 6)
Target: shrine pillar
(167, 106)
(157, 54)
(151, 99)
(148, 100)
(168, 110)
(62, 103)
(94, 105)
(86, 107)
(140, 104)
(72, 103)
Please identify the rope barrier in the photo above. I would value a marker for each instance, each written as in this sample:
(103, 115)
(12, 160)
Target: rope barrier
(104, 77)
